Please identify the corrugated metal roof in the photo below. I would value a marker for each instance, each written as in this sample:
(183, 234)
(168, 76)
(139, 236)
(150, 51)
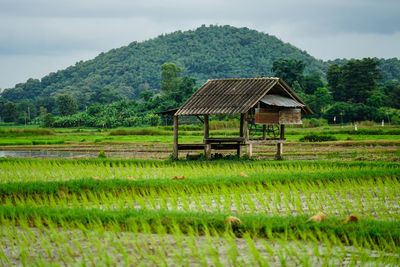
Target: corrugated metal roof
(170, 112)
(232, 96)
(281, 101)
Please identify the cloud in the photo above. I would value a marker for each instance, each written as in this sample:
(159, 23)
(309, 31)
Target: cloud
(61, 31)
(19, 68)
(350, 45)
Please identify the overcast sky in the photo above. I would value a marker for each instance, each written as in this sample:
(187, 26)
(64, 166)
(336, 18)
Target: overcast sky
(42, 36)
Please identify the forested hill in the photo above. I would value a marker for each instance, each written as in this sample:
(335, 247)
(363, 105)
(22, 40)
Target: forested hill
(204, 53)
(207, 52)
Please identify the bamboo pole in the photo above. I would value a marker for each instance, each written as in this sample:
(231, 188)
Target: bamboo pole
(207, 146)
(264, 129)
(175, 147)
(279, 151)
(241, 125)
(246, 128)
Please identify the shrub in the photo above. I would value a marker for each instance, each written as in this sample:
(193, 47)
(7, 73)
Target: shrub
(366, 123)
(47, 142)
(102, 155)
(318, 138)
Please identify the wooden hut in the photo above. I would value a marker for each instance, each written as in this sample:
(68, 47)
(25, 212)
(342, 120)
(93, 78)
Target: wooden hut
(259, 101)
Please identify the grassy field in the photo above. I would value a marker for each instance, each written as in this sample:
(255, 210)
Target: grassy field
(369, 142)
(131, 212)
(124, 211)
(163, 134)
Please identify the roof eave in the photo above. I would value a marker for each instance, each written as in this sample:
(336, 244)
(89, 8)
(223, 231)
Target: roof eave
(307, 110)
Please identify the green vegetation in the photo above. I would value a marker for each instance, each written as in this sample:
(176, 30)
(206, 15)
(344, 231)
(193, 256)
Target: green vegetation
(130, 211)
(214, 51)
(260, 225)
(112, 91)
(102, 155)
(317, 138)
(197, 172)
(25, 132)
(30, 142)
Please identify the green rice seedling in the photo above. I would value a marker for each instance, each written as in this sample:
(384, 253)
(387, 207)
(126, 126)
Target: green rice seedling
(204, 203)
(232, 249)
(254, 251)
(212, 248)
(108, 200)
(282, 257)
(4, 260)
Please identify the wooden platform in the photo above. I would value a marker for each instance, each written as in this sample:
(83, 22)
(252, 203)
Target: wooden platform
(203, 146)
(229, 143)
(213, 140)
(191, 146)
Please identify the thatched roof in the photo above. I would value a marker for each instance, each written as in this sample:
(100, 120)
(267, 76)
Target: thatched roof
(235, 96)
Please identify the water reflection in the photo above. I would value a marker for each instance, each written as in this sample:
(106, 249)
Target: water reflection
(45, 154)
(77, 154)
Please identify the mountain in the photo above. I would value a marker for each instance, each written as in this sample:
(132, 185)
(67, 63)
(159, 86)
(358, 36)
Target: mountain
(204, 53)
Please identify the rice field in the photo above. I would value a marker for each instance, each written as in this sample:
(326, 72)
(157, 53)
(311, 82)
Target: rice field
(97, 212)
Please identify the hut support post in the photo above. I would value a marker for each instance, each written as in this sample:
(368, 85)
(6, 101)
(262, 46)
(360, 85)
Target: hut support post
(279, 151)
(249, 147)
(246, 128)
(241, 133)
(207, 147)
(264, 129)
(249, 150)
(241, 125)
(175, 148)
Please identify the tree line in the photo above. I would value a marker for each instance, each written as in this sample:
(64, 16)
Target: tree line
(353, 91)
(108, 109)
(206, 52)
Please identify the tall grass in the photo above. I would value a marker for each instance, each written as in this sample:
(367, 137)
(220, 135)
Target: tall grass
(26, 132)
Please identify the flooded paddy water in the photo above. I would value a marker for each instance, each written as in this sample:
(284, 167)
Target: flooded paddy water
(292, 150)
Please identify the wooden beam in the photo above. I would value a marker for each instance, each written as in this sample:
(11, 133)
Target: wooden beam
(282, 136)
(266, 141)
(191, 146)
(241, 125)
(197, 116)
(246, 128)
(264, 129)
(279, 151)
(175, 147)
(207, 147)
(238, 150)
(249, 150)
(207, 151)
(224, 139)
(206, 128)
